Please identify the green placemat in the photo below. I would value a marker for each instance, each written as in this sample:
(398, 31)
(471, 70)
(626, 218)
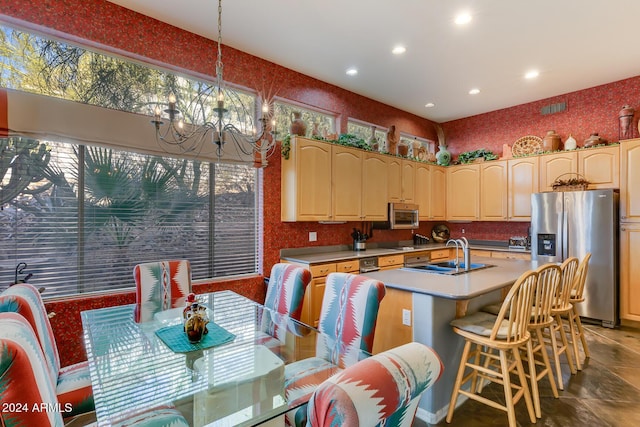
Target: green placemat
(176, 339)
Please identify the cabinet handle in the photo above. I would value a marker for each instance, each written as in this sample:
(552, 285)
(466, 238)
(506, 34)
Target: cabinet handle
(623, 229)
(623, 217)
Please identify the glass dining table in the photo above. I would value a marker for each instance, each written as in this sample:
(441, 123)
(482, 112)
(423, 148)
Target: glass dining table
(240, 382)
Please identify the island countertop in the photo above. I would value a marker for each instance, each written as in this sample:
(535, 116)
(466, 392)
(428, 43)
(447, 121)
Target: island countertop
(459, 287)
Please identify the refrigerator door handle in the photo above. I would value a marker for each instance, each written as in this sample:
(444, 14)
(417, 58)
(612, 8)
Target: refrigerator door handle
(565, 229)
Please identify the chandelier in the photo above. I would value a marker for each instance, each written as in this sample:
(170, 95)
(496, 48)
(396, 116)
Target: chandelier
(218, 128)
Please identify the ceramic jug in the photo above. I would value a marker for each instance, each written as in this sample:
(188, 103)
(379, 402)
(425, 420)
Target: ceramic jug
(298, 126)
(551, 141)
(443, 156)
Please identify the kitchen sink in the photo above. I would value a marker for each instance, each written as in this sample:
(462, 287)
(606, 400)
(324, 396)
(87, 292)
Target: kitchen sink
(448, 268)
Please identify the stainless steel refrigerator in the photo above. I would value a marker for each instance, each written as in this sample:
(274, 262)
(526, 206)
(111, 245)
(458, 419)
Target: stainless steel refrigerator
(572, 223)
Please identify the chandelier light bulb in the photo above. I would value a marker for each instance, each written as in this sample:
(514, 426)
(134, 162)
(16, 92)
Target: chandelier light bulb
(172, 98)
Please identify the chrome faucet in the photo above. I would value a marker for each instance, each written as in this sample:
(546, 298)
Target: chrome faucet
(457, 243)
(464, 244)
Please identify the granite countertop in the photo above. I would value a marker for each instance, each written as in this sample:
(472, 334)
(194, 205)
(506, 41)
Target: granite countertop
(459, 287)
(316, 255)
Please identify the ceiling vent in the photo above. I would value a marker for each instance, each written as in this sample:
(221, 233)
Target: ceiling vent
(553, 108)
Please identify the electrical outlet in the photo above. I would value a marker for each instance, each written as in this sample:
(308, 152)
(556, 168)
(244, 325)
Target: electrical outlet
(406, 317)
(313, 236)
(463, 231)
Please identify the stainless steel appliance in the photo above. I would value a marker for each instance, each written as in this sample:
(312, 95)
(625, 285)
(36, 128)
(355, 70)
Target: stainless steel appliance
(566, 224)
(401, 216)
(369, 264)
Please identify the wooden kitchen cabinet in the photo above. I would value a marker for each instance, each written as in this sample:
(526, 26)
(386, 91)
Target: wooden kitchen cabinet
(629, 271)
(523, 181)
(600, 166)
(463, 193)
(390, 262)
(346, 178)
(401, 180)
(315, 292)
(437, 199)
(493, 191)
(423, 190)
(391, 331)
(630, 180)
(552, 166)
(306, 181)
(374, 187)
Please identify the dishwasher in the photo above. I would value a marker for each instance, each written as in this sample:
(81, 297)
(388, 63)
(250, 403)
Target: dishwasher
(369, 264)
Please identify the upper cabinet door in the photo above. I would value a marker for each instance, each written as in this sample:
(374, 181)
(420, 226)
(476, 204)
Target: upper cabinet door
(374, 187)
(463, 193)
(346, 174)
(437, 202)
(394, 179)
(306, 181)
(523, 181)
(600, 166)
(630, 180)
(555, 165)
(493, 193)
(423, 190)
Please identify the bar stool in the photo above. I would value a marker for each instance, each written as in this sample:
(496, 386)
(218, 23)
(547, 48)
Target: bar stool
(561, 308)
(577, 296)
(549, 276)
(491, 350)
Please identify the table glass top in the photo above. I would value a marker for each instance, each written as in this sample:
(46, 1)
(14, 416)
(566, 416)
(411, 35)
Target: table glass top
(237, 383)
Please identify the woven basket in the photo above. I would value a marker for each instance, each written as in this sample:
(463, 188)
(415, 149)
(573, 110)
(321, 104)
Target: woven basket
(571, 182)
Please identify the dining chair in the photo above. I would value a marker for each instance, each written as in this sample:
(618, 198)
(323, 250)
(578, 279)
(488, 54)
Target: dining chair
(347, 325)
(560, 309)
(577, 297)
(492, 351)
(160, 286)
(29, 396)
(73, 382)
(285, 292)
(541, 319)
(384, 389)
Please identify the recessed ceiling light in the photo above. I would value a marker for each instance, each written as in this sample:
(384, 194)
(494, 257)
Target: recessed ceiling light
(352, 71)
(463, 18)
(531, 74)
(399, 50)
(429, 105)
(474, 91)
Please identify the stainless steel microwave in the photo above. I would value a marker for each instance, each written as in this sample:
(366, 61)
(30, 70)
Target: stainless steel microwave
(401, 216)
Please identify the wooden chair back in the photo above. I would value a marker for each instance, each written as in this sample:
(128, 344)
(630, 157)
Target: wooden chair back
(549, 276)
(577, 293)
(513, 319)
(568, 267)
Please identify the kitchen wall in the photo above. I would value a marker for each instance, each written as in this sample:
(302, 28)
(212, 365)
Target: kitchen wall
(112, 28)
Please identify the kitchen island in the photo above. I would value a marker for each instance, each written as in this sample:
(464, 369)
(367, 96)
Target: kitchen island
(435, 300)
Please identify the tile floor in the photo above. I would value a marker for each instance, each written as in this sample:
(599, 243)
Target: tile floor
(605, 393)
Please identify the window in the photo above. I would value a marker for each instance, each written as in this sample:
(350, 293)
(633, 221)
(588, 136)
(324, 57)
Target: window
(82, 217)
(363, 130)
(324, 123)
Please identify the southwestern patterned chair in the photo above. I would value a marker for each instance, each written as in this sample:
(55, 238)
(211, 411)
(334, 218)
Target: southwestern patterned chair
(382, 390)
(28, 395)
(347, 324)
(73, 382)
(285, 292)
(160, 286)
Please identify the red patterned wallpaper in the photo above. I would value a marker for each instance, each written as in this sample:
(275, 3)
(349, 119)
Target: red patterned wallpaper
(112, 28)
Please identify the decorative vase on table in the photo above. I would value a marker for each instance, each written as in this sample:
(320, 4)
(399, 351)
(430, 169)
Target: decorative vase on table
(443, 156)
(298, 126)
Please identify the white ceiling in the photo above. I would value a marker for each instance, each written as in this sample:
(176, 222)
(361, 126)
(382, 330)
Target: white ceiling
(575, 44)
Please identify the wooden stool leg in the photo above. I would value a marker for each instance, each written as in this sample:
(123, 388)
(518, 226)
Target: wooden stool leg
(556, 356)
(545, 358)
(573, 333)
(524, 385)
(533, 376)
(565, 344)
(458, 383)
(508, 394)
(585, 348)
